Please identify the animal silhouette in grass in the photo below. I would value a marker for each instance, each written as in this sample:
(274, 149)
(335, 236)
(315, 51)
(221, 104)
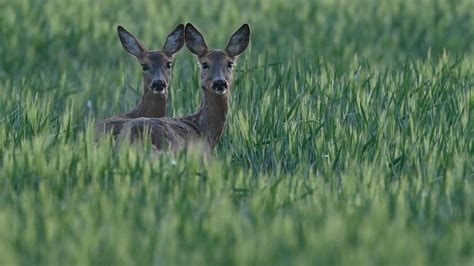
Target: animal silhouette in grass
(206, 125)
(157, 68)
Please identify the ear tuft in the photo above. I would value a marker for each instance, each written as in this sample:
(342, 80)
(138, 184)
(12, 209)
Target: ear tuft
(129, 42)
(239, 41)
(194, 40)
(175, 41)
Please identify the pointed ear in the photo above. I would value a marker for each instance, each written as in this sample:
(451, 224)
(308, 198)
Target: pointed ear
(130, 43)
(239, 41)
(194, 40)
(175, 40)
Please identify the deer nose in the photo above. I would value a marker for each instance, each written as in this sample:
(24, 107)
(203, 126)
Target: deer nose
(220, 85)
(158, 85)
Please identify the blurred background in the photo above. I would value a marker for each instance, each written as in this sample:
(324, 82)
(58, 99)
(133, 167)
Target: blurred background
(70, 48)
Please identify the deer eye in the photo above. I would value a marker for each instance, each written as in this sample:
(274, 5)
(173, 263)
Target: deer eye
(145, 67)
(230, 65)
(168, 65)
(205, 65)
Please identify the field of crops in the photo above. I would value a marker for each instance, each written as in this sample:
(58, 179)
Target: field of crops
(349, 139)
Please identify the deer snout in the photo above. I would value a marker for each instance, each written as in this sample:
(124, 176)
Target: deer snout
(158, 86)
(220, 86)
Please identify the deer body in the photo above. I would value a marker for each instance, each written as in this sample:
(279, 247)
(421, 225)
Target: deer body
(203, 127)
(156, 66)
(207, 124)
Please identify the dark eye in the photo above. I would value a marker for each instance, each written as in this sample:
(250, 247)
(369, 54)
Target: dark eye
(168, 65)
(145, 67)
(205, 65)
(230, 65)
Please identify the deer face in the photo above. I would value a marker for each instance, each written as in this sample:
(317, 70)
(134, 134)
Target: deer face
(217, 66)
(156, 65)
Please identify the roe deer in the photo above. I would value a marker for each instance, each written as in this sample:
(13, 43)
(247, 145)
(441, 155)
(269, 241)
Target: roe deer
(157, 67)
(207, 124)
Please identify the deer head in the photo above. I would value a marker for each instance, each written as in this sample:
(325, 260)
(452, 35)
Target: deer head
(217, 65)
(156, 65)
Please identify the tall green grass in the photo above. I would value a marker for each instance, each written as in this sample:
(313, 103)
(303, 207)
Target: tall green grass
(349, 139)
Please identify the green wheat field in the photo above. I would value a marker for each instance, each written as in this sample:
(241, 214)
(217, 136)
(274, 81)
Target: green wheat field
(349, 139)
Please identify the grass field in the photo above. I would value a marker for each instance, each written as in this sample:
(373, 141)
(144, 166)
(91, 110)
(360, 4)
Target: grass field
(349, 139)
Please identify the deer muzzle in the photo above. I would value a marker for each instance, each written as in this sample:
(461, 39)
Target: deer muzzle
(158, 86)
(220, 86)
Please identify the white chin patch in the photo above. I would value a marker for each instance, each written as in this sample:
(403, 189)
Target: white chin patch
(158, 92)
(221, 92)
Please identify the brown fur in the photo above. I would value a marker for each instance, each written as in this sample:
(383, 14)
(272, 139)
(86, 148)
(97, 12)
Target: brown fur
(152, 103)
(207, 124)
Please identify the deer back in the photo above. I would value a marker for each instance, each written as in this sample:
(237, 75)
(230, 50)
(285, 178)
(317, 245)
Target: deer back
(164, 133)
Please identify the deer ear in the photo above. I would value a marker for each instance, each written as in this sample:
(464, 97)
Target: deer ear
(129, 42)
(194, 40)
(239, 41)
(175, 40)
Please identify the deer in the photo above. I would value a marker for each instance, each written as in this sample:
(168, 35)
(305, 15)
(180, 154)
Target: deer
(207, 124)
(157, 69)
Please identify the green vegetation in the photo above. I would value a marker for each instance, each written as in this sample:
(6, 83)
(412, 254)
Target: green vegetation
(349, 141)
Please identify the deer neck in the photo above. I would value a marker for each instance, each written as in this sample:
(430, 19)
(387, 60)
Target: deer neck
(212, 116)
(151, 105)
